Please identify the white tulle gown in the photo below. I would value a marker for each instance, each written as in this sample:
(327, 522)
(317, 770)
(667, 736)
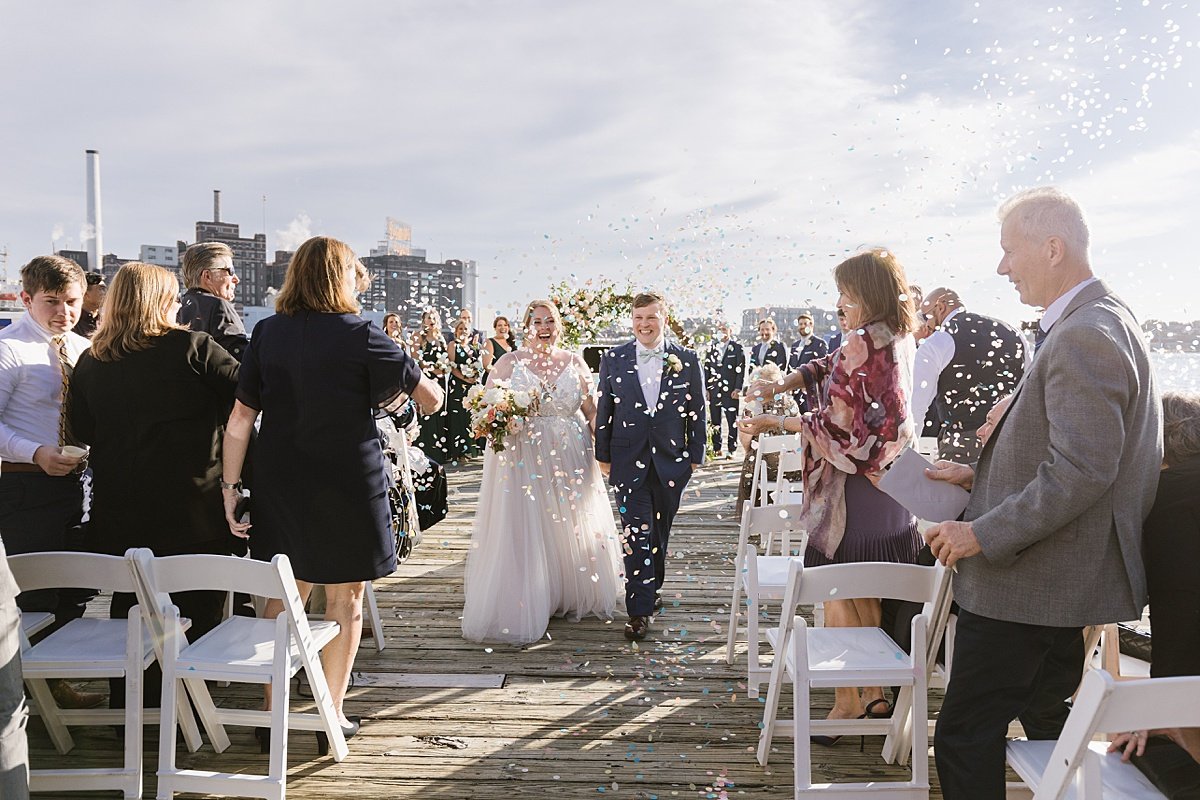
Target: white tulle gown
(544, 542)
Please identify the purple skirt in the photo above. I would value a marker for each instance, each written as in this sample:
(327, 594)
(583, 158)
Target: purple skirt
(877, 529)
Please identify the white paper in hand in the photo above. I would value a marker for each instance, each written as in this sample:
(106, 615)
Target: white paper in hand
(906, 482)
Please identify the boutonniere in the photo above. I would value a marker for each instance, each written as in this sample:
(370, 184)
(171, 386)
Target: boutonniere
(674, 364)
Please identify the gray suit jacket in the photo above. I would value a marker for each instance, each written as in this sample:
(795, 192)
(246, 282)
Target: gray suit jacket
(1068, 476)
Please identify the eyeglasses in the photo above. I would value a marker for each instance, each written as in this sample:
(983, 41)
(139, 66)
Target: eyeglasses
(223, 269)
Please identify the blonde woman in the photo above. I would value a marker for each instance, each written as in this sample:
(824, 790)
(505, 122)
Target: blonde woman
(543, 543)
(151, 397)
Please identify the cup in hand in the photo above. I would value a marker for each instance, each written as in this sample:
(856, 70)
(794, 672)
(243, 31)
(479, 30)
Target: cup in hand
(71, 451)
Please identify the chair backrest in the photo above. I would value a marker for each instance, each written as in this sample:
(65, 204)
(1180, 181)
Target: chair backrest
(165, 574)
(1104, 705)
(866, 579)
(53, 570)
(771, 519)
(769, 445)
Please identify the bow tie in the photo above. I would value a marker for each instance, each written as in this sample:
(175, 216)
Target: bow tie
(646, 355)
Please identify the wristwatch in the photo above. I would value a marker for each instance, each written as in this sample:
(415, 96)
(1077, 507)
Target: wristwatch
(237, 487)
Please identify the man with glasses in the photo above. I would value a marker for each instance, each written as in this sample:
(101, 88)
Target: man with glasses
(207, 305)
(93, 299)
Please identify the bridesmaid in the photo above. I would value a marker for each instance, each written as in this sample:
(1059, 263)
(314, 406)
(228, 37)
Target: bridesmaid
(501, 342)
(394, 329)
(429, 348)
(465, 372)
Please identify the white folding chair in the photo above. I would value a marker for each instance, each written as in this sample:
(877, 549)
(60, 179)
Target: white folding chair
(791, 459)
(86, 648)
(1076, 767)
(854, 657)
(760, 578)
(241, 650)
(769, 445)
(33, 623)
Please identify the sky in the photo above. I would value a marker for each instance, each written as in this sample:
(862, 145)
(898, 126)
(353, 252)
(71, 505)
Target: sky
(727, 153)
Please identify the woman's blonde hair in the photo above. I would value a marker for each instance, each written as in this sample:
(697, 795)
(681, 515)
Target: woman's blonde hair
(136, 311)
(316, 279)
(547, 304)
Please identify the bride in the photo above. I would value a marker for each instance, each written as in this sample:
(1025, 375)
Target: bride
(544, 541)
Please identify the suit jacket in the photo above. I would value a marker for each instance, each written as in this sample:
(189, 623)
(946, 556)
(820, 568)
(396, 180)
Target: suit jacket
(726, 376)
(835, 341)
(1172, 541)
(776, 354)
(802, 353)
(217, 317)
(630, 439)
(1068, 476)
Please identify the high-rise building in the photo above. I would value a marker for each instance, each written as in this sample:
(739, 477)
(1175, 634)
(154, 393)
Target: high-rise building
(408, 285)
(249, 254)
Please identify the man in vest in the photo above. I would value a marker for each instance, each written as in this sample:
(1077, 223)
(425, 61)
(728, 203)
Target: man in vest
(962, 369)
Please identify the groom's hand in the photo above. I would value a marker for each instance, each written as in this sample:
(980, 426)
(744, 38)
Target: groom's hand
(604, 467)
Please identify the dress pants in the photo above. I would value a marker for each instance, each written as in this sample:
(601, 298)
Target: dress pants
(721, 408)
(646, 516)
(1002, 671)
(14, 750)
(41, 513)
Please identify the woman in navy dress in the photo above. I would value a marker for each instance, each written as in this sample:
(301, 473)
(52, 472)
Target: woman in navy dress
(319, 374)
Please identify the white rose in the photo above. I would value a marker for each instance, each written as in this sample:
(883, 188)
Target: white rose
(522, 399)
(493, 396)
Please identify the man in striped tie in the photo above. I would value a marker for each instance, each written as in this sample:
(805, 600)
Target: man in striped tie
(41, 497)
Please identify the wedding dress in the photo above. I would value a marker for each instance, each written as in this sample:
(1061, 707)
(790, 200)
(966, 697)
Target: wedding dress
(544, 541)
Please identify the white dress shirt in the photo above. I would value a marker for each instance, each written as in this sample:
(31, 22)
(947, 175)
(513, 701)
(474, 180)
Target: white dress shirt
(762, 352)
(1055, 310)
(31, 388)
(933, 356)
(650, 372)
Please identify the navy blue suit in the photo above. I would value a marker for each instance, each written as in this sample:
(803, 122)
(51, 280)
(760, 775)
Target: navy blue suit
(651, 458)
(835, 341)
(800, 355)
(776, 354)
(723, 377)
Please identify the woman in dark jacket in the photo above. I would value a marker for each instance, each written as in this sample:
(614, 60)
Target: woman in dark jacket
(318, 373)
(151, 398)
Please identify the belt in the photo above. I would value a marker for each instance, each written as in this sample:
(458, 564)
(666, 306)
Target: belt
(11, 467)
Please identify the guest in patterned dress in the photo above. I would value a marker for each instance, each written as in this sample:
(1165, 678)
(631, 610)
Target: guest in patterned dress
(465, 371)
(860, 426)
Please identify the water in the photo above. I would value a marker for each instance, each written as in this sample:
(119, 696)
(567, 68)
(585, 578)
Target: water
(1179, 372)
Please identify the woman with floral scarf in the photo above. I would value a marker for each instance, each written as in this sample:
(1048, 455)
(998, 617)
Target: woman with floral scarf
(860, 425)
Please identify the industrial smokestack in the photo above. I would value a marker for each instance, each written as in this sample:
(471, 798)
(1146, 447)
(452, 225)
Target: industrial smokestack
(216, 205)
(95, 239)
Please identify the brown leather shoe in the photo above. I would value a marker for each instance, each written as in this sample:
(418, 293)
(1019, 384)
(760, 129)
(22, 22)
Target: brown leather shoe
(637, 628)
(67, 696)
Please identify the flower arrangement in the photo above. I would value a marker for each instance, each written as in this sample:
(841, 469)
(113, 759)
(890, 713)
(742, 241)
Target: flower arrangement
(674, 364)
(498, 411)
(438, 365)
(590, 310)
(473, 367)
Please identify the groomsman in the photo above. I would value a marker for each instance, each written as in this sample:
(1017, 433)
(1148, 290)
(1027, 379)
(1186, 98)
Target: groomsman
(724, 372)
(650, 430)
(768, 348)
(804, 350)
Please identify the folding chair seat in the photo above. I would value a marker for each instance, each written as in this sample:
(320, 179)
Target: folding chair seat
(1078, 768)
(86, 648)
(851, 657)
(760, 491)
(33, 623)
(760, 578)
(240, 650)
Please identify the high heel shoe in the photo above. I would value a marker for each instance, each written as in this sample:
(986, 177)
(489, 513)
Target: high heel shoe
(830, 741)
(347, 732)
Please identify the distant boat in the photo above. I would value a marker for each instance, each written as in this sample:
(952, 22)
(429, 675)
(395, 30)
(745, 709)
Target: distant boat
(11, 307)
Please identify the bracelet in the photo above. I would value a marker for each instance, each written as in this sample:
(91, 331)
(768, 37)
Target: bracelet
(236, 486)
(782, 428)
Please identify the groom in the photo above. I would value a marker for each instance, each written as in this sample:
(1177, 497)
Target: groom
(650, 429)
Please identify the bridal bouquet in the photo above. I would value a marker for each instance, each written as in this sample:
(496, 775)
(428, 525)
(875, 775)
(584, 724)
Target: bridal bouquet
(498, 411)
(472, 368)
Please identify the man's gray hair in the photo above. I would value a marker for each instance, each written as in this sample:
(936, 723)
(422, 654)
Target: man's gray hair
(200, 257)
(1181, 427)
(1046, 211)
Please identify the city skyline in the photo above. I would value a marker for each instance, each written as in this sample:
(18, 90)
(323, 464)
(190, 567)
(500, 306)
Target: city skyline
(728, 154)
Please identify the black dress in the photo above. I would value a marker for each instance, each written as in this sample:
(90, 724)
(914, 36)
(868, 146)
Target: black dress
(320, 493)
(434, 435)
(461, 443)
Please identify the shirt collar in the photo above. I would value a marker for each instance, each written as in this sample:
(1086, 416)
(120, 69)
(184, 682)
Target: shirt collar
(37, 328)
(640, 348)
(950, 316)
(1055, 310)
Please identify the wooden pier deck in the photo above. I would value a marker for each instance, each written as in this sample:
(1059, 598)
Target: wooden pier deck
(582, 713)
